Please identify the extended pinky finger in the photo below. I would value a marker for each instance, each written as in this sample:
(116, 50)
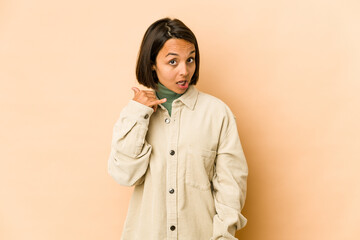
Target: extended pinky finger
(161, 101)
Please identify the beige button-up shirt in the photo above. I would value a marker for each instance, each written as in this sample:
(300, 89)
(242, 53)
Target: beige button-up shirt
(189, 170)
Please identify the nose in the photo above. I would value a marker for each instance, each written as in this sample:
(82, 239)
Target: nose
(184, 70)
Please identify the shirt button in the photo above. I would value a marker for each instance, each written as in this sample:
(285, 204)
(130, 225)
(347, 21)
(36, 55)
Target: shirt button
(146, 116)
(171, 191)
(167, 120)
(172, 152)
(172, 228)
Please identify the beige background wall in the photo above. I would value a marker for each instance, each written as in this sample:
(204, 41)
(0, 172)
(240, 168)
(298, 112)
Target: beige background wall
(289, 70)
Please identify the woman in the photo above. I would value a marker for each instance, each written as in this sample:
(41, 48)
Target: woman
(178, 146)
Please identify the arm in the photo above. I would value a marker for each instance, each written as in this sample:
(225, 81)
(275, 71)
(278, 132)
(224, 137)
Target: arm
(130, 153)
(229, 183)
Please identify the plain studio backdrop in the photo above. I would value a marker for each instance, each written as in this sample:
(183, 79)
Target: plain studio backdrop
(289, 70)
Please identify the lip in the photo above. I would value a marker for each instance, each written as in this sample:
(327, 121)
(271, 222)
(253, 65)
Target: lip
(182, 80)
(183, 84)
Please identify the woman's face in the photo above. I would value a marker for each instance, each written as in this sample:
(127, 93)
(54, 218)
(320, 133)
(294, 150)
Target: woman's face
(175, 64)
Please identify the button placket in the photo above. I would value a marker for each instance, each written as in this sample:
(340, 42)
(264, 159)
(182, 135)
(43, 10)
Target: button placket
(172, 172)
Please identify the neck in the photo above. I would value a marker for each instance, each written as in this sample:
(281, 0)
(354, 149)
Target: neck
(164, 92)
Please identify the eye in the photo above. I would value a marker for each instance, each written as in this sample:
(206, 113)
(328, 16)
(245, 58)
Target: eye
(190, 60)
(172, 62)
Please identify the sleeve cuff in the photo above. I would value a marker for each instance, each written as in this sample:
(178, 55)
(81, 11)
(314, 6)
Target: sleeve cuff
(138, 112)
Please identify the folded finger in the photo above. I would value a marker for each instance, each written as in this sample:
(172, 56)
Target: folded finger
(150, 94)
(157, 102)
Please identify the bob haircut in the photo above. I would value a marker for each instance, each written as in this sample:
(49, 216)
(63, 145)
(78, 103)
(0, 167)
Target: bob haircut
(154, 39)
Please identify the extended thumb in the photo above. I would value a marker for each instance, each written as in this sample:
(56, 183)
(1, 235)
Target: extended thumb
(135, 89)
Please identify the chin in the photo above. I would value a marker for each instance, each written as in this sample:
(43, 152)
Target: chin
(180, 91)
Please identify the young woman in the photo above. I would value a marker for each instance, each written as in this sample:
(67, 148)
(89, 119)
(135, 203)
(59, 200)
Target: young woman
(178, 146)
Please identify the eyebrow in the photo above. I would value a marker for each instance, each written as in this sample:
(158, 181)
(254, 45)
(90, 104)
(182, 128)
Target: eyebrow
(175, 54)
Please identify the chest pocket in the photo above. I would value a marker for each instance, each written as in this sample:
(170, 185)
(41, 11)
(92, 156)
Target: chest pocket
(199, 167)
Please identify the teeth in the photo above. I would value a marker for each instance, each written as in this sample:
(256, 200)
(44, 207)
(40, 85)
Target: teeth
(181, 82)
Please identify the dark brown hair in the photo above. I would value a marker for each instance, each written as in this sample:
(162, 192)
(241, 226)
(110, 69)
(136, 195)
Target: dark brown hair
(154, 39)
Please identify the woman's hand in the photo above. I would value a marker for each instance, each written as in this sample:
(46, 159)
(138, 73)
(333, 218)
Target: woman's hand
(148, 98)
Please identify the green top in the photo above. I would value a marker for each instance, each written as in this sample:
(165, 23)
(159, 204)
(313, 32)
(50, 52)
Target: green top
(164, 92)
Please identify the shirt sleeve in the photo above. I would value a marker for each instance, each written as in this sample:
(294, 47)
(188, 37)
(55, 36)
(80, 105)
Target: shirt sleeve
(229, 183)
(130, 153)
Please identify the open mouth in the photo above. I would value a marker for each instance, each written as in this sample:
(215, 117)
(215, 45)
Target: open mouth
(182, 83)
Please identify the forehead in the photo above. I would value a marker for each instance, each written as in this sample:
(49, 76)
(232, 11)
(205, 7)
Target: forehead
(179, 46)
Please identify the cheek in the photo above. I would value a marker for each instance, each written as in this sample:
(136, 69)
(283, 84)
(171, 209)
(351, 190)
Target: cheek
(193, 69)
(171, 72)
(166, 73)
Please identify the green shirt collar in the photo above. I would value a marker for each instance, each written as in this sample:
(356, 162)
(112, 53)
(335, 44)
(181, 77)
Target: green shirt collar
(164, 92)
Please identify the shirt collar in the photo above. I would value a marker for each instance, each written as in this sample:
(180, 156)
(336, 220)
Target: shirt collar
(189, 98)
